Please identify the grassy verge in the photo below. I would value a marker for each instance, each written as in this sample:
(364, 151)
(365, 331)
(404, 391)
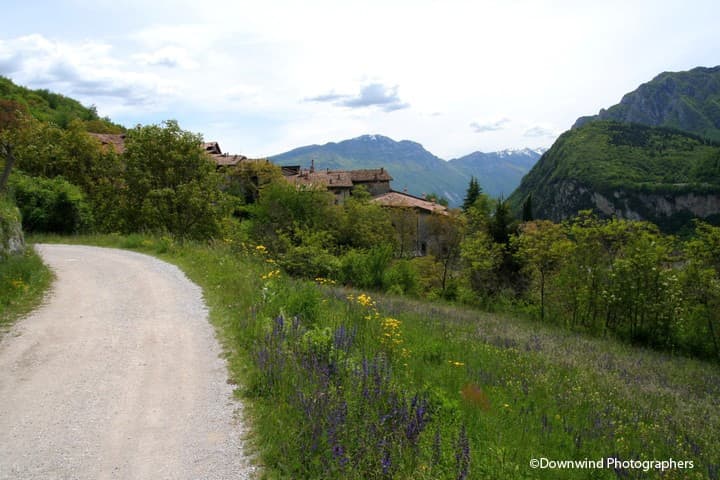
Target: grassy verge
(340, 385)
(23, 281)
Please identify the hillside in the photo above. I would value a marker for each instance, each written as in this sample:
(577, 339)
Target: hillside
(55, 108)
(687, 101)
(499, 173)
(415, 168)
(631, 171)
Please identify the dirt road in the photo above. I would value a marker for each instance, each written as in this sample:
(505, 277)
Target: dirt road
(117, 376)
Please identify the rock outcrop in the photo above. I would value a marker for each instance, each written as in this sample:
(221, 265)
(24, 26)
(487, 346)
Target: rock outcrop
(12, 241)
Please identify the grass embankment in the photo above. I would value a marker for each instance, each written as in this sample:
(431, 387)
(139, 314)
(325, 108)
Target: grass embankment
(351, 387)
(23, 281)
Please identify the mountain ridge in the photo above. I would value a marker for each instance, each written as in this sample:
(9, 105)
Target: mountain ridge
(416, 169)
(687, 100)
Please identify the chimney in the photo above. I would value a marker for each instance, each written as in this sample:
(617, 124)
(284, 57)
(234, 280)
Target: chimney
(312, 166)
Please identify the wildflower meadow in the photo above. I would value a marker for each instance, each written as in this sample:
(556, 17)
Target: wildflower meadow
(340, 383)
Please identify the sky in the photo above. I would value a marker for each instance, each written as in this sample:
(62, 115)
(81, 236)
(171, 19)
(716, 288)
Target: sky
(265, 77)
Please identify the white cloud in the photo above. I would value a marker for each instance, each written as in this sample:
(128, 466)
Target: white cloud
(540, 131)
(87, 70)
(371, 95)
(492, 126)
(170, 57)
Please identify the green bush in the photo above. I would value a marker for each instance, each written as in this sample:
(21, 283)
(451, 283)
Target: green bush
(366, 269)
(311, 256)
(50, 205)
(402, 278)
(304, 301)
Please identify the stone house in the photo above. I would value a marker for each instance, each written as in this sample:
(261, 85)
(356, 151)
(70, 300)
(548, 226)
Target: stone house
(411, 217)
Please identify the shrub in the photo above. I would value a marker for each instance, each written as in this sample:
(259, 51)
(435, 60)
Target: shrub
(402, 278)
(51, 205)
(304, 301)
(366, 269)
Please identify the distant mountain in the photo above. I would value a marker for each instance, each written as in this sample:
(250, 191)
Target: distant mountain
(629, 171)
(688, 101)
(499, 173)
(414, 168)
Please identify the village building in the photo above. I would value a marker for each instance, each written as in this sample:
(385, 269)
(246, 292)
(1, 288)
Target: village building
(376, 180)
(411, 215)
(411, 218)
(340, 182)
(222, 159)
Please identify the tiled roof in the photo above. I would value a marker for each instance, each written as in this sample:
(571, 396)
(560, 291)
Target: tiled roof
(212, 148)
(370, 175)
(226, 160)
(325, 178)
(403, 200)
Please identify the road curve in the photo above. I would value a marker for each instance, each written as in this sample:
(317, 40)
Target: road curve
(117, 376)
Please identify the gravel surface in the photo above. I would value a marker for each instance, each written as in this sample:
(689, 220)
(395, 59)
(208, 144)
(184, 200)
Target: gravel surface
(117, 376)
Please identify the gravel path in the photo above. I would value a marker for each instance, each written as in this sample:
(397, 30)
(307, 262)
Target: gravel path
(117, 376)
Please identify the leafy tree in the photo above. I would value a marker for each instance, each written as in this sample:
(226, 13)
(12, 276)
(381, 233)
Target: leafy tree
(434, 197)
(11, 117)
(172, 185)
(472, 194)
(542, 245)
(445, 236)
(405, 223)
(643, 297)
(283, 211)
(481, 257)
(247, 178)
(363, 223)
(701, 280)
(50, 205)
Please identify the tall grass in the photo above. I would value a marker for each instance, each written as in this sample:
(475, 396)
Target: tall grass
(23, 281)
(341, 385)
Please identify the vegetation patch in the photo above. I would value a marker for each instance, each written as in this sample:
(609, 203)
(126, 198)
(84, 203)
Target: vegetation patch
(23, 281)
(346, 384)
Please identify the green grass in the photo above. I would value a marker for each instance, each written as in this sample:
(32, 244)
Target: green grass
(519, 389)
(23, 282)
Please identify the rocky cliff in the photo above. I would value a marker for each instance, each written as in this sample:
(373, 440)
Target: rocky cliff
(636, 172)
(688, 101)
(670, 211)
